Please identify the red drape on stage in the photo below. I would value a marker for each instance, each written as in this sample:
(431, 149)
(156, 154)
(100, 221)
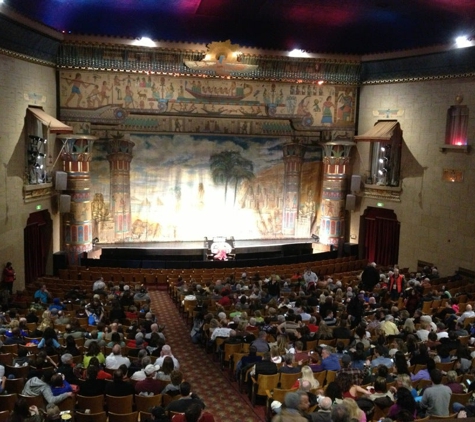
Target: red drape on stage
(37, 238)
(381, 236)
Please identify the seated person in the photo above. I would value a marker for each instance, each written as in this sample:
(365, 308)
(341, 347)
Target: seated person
(59, 385)
(173, 388)
(288, 365)
(22, 358)
(149, 386)
(187, 398)
(119, 387)
(41, 386)
(56, 304)
(132, 313)
(194, 413)
(67, 369)
(452, 383)
(247, 361)
(92, 385)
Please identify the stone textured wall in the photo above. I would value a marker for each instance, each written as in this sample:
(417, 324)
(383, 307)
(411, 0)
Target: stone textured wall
(436, 216)
(22, 83)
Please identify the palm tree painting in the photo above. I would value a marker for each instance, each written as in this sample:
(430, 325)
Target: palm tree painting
(229, 166)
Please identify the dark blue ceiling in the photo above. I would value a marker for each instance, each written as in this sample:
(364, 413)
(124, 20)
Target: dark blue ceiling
(321, 26)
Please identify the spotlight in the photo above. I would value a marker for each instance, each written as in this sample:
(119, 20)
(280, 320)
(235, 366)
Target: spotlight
(95, 241)
(37, 139)
(316, 238)
(463, 41)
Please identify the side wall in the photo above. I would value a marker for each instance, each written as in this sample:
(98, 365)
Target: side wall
(436, 216)
(21, 82)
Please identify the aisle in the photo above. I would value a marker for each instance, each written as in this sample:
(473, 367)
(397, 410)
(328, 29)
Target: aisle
(207, 380)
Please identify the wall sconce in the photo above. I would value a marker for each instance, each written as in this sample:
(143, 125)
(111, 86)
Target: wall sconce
(456, 127)
(452, 175)
(457, 122)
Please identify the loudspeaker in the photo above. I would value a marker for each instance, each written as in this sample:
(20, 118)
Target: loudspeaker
(61, 180)
(350, 202)
(350, 249)
(60, 262)
(65, 203)
(355, 183)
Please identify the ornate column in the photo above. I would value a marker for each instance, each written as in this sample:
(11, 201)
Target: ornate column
(336, 158)
(293, 160)
(77, 224)
(120, 156)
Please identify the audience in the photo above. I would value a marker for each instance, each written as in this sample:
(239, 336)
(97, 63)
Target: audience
(383, 336)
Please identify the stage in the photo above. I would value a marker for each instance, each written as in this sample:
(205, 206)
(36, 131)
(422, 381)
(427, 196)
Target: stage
(196, 251)
(194, 254)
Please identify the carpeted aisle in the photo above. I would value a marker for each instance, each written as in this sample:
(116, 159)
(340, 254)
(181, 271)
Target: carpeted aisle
(207, 380)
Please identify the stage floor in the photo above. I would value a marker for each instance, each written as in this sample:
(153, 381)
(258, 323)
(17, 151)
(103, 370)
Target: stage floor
(194, 254)
(197, 249)
(260, 243)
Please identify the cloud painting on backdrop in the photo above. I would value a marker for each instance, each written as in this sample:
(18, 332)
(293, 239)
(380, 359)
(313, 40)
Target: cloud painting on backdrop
(185, 187)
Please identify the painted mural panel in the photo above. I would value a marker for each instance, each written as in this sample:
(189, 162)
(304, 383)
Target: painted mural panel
(186, 187)
(126, 97)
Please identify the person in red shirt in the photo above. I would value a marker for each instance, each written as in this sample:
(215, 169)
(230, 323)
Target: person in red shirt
(9, 277)
(101, 374)
(396, 284)
(194, 413)
(149, 385)
(137, 342)
(132, 313)
(225, 300)
(312, 325)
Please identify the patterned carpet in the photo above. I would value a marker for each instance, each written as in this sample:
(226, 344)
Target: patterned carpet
(219, 393)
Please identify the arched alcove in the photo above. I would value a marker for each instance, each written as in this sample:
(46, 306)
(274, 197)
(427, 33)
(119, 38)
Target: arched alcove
(37, 237)
(379, 233)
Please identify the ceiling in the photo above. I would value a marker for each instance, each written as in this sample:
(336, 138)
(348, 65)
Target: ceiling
(319, 26)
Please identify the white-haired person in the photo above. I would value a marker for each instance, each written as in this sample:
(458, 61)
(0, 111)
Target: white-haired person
(167, 351)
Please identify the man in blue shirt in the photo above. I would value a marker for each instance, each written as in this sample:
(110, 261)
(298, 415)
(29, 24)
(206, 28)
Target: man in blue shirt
(380, 359)
(43, 294)
(329, 362)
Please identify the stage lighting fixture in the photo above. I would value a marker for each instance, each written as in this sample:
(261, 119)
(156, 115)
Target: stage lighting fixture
(95, 241)
(35, 139)
(463, 41)
(316, 238)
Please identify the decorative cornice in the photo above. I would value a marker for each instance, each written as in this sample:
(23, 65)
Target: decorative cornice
(419, 79)
(449, 64)
(385, 193)
(26, 58)
(166, 61)
(35, 192)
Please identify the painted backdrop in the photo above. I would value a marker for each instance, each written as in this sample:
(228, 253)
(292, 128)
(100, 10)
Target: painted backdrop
(186, 187)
